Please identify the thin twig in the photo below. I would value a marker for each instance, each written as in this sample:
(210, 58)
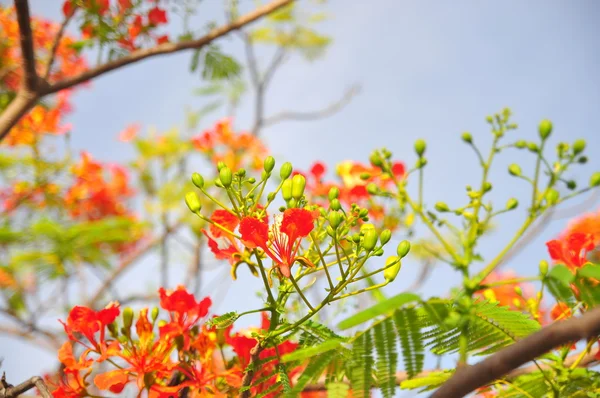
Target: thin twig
(247, 380)
(56, 44)
(512, 357)
(320, 114)
(35, 381)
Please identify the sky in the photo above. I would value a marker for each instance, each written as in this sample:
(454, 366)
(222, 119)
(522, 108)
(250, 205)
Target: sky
(427, 69)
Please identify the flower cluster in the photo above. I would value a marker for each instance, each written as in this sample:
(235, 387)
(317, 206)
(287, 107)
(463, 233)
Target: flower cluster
(162, 356)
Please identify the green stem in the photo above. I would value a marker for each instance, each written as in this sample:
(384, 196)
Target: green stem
(261, 267)
(512, 281)
(316, 245)
(300, 292)
(536, 177)
(366, 289)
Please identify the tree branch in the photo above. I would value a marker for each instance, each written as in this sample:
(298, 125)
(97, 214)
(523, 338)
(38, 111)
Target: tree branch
(56, 44)
(16, 109)
(28, 55)
(15, 391)
(497, 365)
(247, 380)
(320, 114)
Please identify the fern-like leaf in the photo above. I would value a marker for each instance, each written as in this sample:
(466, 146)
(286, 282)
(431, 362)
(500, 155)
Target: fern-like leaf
(313, 370)
(411, 340)
(361, 372)
(387, 357)
(337, 390)
(428, 382)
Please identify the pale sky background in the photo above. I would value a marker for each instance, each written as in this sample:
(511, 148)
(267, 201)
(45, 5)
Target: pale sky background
(427, 69)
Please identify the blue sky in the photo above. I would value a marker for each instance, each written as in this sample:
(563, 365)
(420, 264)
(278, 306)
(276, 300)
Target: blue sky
(427, 69)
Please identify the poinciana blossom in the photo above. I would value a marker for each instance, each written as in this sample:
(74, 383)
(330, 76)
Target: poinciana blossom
(560, 311)
(571, 250)
(281, 242)
(88, 322)
(221, 243)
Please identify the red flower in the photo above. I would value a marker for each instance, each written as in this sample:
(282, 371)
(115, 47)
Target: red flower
(157, 16)
(317, 170)
(560, 311)
(285, 236)
(68, 8)
(184, 311)
(162, 39)
(571, 250)
(86, 321)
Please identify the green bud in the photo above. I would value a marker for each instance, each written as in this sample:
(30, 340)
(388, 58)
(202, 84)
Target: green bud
(372, 188)
(520, 144)
(515, 170)
(241, 173)
(193, 202)
(422, 162)
(335, 219)
(286, 170)
(365, 176)
(369, 240)
(595, 179)
(292, 203)
(571, 184)
(366, 227)
(578, 146)
(533, 147)
(420, 146)
(269, 164)
(543, 267)
(363, 213)
(334, 193)
(298, 185)
(391, 272)
(582, 160)
(179, 342)
(545, 128)
(552, 196)
(442, 207)
(271, 196)
(220, 165)
(487, 187)
(385, 236)
(198, 180)
(154, 314)
(330, 231)
(467, 137)
(512, 204)
(386, 153)
(286, 190)
(519, 291)
(376, 159)
(403, 248)
(225, 176)
(127, 318)
(489, 119)
(251, 180)
(335, 205)
(356, 238)
(112, 329)
(379, 252)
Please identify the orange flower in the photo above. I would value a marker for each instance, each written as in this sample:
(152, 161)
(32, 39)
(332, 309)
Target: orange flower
(157, 16)
(222, 244)
(88, 322)
(282, 241)
(560, 311)
(571, 250)
(587, 224)
(129, 133)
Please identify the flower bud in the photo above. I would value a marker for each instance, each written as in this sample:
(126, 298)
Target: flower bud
(271, 196)
(467, 137)
(403, 248)
(193, 202)
(292, 203)
(363, 213)
(269, 164)
(545, 128)
(422, 162)
(286, 170)
(365, 227)
(518, 291)
(335, 205)
(251, 180)
(379, 252)
(578, 146)
(442, 207)
(365, 176)
(369, 240)
(286, 190)
(225, 176)
(391, 272)
(543, 267)
(356, 238)
(334, 193)
(533, 147)
(154, 314)
(372, 188)
(515, 170)
(582, 160)
(376, 159)
(198, 180)
(512, 204)
(487, 186)
(335, 219)
(298, 185)
(420, 146)
(127, 318)
(385, 236)
(552, 196)
(220, 165)
(571, 184)
(520, 144)
(595, 179)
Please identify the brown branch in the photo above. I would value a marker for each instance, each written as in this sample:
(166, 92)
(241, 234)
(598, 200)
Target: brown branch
(126, 263)
(504, 361)
(16, 109)
(320, 114)
(56, 44)
(247, 380)
(26, 38)
(15, 391)
(20, 333)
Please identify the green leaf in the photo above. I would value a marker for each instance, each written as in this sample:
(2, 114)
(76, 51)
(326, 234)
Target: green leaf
(337, 390)
(361, 372)
(387, 357)
(590, 271)
(429, 382)
(223, 321)
(310, 352)
(313, 370)
(218, 66)
(411, 340)
(380, 308)
(195, 60)
(562, 274)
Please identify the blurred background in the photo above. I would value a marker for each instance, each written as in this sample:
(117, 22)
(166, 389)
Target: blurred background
(425, 69)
